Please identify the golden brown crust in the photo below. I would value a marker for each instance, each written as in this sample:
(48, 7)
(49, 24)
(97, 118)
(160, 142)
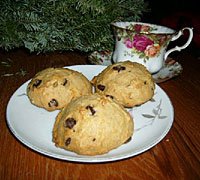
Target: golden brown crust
(92, 125)
(128, 82)
(53, 88)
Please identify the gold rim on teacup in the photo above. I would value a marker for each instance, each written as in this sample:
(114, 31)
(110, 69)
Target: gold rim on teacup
(147, 30)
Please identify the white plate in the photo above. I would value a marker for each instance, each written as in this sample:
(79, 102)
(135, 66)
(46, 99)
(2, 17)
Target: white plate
(33, 126)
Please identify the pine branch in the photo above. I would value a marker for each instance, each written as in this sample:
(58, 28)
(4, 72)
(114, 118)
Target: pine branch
(49, 25)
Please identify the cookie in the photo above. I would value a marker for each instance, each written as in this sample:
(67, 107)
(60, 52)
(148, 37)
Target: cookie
(92, 125)
(53, 88)
(130, 83)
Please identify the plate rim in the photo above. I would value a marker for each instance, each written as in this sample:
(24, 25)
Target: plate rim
(83, 158)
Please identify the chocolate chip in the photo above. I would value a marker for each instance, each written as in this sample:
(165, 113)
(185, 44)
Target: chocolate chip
(119, 68)
(91, 109)
(68, 141)
(65, 82)
(101, 87)
(70, 122)
(53, 103)
(94, 139)
(128, 140)
(145, 82)
(37, 83)
(110, 96)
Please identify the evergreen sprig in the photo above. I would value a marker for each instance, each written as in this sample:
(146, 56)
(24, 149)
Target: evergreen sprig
(49, 25)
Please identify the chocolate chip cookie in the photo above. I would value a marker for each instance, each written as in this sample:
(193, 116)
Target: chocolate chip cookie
(128, 82)
(92, 125)
(53, 88)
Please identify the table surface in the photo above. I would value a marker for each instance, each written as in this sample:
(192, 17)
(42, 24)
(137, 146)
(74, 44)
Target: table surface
(177, 156)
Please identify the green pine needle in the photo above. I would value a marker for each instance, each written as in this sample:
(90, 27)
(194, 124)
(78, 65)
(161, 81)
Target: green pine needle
(49, 25)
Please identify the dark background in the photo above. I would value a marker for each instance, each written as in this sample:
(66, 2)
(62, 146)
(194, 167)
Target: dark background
(177, 14)
(164, 8)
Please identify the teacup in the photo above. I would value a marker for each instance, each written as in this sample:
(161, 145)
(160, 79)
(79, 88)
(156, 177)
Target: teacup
(145, 43)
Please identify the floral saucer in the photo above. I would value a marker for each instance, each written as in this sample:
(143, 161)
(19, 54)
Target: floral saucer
(170, 69)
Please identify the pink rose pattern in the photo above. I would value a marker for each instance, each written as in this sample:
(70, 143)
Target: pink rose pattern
(138, 27)
(129, 43)
(143, 44)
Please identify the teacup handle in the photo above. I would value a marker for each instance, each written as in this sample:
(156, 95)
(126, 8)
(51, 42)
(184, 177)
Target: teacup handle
(179, 48)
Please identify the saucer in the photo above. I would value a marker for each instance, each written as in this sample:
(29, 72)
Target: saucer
(170, 69)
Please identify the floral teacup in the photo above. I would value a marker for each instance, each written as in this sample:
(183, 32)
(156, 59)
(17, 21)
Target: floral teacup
(145, 43)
